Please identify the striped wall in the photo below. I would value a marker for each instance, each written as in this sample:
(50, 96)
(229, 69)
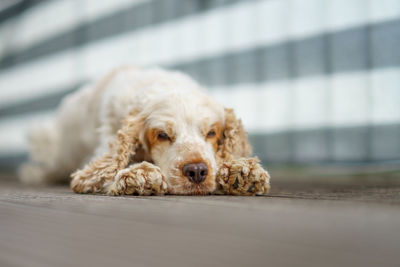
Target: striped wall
(315, 81)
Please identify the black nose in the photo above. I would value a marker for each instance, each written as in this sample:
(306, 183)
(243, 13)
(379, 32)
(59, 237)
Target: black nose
(195, 172)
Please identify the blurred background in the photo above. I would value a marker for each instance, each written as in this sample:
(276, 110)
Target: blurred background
(316, 82)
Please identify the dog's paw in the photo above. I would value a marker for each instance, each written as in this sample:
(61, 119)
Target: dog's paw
(142, 179)
(243, 176)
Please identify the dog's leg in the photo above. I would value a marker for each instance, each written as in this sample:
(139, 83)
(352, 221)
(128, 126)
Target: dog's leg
(243, 176)
(141, 178)
(102, 169)
(92, 177)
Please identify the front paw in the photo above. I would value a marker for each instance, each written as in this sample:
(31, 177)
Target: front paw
(142, 178)
(243, 176)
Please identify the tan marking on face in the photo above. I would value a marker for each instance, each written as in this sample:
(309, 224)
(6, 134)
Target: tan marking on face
(215, 139)
(152, 136)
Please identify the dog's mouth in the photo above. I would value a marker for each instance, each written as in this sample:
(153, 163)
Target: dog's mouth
(197, 189)
(182, 187)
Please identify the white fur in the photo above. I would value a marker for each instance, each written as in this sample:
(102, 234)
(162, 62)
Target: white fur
(88, 120)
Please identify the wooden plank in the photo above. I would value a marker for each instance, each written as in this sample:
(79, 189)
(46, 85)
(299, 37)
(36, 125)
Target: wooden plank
(54, 227)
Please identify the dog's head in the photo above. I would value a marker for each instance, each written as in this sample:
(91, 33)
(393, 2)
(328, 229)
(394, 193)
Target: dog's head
(187, 136)
(182, 136)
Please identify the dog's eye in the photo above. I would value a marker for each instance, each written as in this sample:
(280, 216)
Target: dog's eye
(211, 134)
(163, 136)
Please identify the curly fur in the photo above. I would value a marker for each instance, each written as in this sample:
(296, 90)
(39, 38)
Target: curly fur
(132, 131)
(92, 177)
(235, 143)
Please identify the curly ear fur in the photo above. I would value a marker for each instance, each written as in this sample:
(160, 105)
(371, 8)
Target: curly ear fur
(235, 143)
(103, 169)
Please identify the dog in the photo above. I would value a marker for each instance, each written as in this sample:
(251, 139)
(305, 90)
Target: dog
(144, 132)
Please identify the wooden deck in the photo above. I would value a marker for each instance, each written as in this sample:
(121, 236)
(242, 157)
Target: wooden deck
(297, 225)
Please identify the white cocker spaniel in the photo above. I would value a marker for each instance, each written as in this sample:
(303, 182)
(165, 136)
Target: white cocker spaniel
(144, 132)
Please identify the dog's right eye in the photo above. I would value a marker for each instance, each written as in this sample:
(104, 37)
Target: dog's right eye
(163, 136)
(211, 134)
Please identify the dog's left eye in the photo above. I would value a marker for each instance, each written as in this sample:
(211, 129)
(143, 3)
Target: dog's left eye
(163, 136)
(211, 134)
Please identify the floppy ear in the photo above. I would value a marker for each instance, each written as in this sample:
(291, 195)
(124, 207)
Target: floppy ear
(93, 176)
(235, 143)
